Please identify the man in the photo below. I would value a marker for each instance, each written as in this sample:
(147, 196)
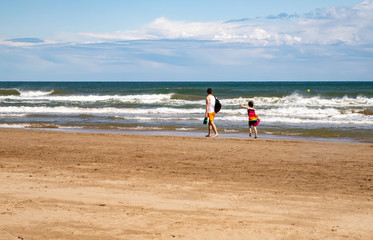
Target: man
(210, 112)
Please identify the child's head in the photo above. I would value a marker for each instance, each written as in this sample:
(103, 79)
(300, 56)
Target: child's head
(251, 104)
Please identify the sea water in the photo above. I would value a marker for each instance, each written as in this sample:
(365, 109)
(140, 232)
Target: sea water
(329, 110)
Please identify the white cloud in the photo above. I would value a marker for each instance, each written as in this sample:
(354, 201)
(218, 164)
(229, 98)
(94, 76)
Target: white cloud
(323, 26)
(329, 39)
(163, 28)
(351, 26)
(231, 32)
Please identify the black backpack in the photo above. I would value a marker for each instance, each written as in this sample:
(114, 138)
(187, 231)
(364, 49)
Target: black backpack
(217, 105)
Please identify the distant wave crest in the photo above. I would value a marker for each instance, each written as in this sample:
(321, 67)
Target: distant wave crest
(31, 93)
(9, 92)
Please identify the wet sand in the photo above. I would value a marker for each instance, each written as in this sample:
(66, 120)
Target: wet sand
(59, 185)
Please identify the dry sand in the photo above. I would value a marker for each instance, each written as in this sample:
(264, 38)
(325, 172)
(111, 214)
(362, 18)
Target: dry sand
(57, 185)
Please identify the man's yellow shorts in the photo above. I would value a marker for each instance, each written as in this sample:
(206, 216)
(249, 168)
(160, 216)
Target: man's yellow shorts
(211, 116)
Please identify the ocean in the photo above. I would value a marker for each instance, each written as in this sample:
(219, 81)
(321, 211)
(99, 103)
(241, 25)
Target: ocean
(331, 111)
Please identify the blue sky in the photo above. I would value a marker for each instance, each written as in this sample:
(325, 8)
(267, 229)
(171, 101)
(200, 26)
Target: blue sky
(160, 40)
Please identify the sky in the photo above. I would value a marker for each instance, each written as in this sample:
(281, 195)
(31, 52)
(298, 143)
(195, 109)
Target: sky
(165, 40)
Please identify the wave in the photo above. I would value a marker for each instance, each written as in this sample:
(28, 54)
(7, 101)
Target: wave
(177, 96)
(39, 96)
(59, 92)
(23, 93)
(28, 94)
(9, 92)
(154, 118)
(31, 93)
(173, 99)
(185, 129)
(106, 110)
(37, 125)
(42, 125)
(299, 100)
(10, 115)
(15, 125)
(366, 112)
(272, 116)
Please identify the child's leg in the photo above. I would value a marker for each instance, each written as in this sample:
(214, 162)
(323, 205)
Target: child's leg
(256, 132)
(250, 131)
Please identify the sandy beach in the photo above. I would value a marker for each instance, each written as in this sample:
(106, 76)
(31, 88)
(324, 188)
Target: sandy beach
(61, 185)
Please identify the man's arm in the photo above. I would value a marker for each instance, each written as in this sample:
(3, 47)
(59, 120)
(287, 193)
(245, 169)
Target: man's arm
(207, 106)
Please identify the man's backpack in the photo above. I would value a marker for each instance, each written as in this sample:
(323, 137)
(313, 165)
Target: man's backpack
(217, 105)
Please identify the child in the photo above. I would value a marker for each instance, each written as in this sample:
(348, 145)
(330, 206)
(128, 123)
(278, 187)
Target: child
(253, 118)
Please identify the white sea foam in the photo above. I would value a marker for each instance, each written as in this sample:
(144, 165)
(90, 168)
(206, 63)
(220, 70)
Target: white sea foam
(38, 96)
(141, 128)
(105, 110)
(273, 115)
(230, 130)
(4, 125)
(31, 94)
(155, 118)
(313, 117)
(26, 93)
(316, 101)
(10, 115)
(292, 100)
(185, 129)
(292, 109)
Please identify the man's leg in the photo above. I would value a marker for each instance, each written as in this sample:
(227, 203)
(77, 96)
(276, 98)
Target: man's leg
(214, 128)
(210, 127)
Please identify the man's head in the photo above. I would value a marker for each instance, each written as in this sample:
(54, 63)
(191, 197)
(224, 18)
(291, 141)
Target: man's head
(209, 91)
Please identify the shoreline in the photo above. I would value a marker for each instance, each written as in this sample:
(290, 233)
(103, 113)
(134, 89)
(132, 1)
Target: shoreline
(71, 185)
(237, 135)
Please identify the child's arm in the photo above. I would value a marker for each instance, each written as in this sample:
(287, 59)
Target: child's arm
(243, 105)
